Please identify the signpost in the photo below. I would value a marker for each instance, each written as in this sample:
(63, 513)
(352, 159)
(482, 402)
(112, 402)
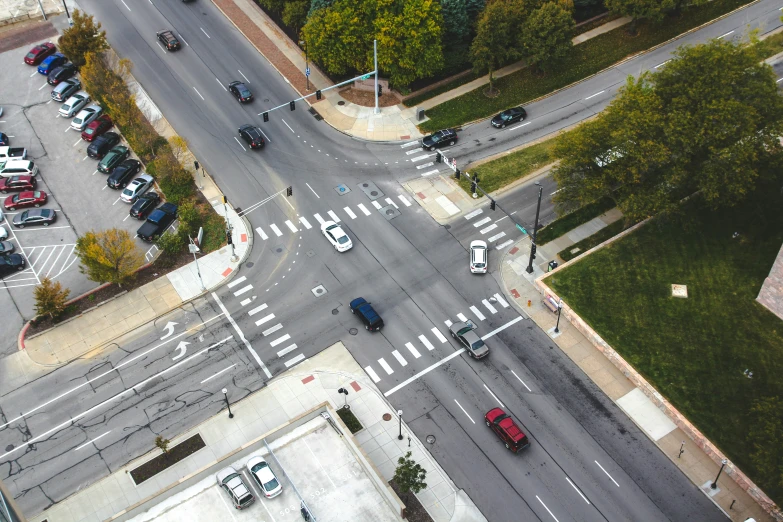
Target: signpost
(521, 229)
(307, 71)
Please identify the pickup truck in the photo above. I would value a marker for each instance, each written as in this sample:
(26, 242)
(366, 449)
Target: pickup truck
(157, 222)
(7, 153)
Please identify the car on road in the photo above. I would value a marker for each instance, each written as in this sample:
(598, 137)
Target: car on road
(123, 173)
(439, 139)
(144, 205)
(136, 188)
(74, 104)
(35, 217)
(168, 40)
(114, 157)
(468, 339)
(51, 63)
(4, 139)
(235, 487)
(17, 184)
(6, 247)
(18, 167)
(336, 236)
(97, 127)
(66, 89)
(240, 91)
(103, 144)
(252, 135)
(38, 53)
(508, 117)
(478, 257)
(29, 198)
(85, 116)
(10, 264)
(372, 321)
(61, 73)
(507, 430)
(264, 476)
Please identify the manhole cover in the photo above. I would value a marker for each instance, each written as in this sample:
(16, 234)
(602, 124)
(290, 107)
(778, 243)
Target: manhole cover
(319, 290)
(249, 264)
(353, 331)
(278, 250)
(365, 185)
(310, 253)
(389, 212)
(387, 416)
(335, 311)
(342, 189)
(374, 193)
(340, 102)
(430, 439)
(371, 189)
(10, 447)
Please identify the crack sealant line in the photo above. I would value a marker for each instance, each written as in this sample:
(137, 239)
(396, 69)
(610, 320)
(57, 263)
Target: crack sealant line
(242, 336)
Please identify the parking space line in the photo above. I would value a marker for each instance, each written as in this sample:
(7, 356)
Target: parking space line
(42, 86)
(77, 142)
(55, 261)
(39, 229)
(243, 147)
(224, 87)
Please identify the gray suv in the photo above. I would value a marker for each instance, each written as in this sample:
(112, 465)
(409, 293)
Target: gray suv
(463, 332)
(235, 487)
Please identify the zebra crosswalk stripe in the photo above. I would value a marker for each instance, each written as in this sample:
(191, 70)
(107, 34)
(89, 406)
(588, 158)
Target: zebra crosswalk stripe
(262, 233)
(306, 223)
(364, 209)
(440, 336)
(502, 301)
(372, 374)
(333, 216)
(478, 313)
(489, 306)
(275, 230)
(404, 200)
(400, 358)
(385, 366)
(291, 226)
(413, 350)
(350, 212)
(319, 218)
(426, 342)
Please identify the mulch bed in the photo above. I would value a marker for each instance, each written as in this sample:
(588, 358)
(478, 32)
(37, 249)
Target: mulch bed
(414, 511)
(166, 460)
(350, 420)
(367, 98)
(25, 33)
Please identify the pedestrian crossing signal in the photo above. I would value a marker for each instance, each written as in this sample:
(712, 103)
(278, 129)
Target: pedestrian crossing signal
(290, 190)
(266, 116)
(317, 95)
(473, 187)
(456, 174)
(492, 204)
(438, 157)
(292, 105)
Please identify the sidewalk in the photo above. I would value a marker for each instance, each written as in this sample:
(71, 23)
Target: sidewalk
(284, 399)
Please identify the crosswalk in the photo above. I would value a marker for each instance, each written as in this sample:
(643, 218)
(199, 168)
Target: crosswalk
(502, 232)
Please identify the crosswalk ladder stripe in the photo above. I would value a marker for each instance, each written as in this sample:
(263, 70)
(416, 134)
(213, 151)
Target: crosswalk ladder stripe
(385, 366)
(333, 216)
(275, 229)
(400, 358)
(413, 350)
(235, 282)
(489, 306)
(280, 340)
(319, 218)
(372, 374)
(426, 342)
(350, 212)
(364, 209)
(404, 200)
(262, 234)
(257, 309)
(440, 336)
(291, 226)
(306, 223)
(478, 313)
(265, 319)
(502, 301)
(461, 317)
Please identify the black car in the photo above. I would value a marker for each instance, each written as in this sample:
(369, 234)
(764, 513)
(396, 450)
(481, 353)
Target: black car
(252, 135)
(439, 139)
(34, 217)
(123, 173)
(168, 40)
(4, 139)
(61, 73)
(508, 117)
(240, 91)
(103, 144)
(10, 264)
(372, 321)
(6, 247)
(144, 205)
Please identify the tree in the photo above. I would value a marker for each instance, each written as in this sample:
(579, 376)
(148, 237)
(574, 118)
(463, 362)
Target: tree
(339, 37)
(163, 444)
(108, 256)
(179, 148)
(546, 37)
(315, 5)
(178, 184)
(653, 10)
(190, 219)
(273, 6)
(409, 475)
(84, 36)
(50, 298)
(495, 42)
(456, 23)
(170, 244)
(295, 14)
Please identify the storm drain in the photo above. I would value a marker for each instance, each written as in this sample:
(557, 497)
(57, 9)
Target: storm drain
(319, 290)
(389, 212)
(371, 189)
(342, 189)
(310, 253)
(314, 112)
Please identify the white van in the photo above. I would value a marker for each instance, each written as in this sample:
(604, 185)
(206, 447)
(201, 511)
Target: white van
(18, 167)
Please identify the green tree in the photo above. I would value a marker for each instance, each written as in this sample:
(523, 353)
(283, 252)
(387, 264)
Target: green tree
(495, 41)
(456, 23)
(765, 439)
(85, 36)
(50, 298)
(273, 6)
(409, 475)
(653, 10)
(295, 14)
(171, 245)
(315, 5)
(339, 37)
(177, 185)
(108, 256)
(190, 219)
(546, 35)
(162, 443)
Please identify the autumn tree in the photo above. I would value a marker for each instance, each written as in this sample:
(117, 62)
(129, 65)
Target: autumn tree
(108, 256)
(546, 35)
(84, 36)
(50, 298)
(339, 37)
(295, 13)
(495, 42)
(409, 475)
(653, 10)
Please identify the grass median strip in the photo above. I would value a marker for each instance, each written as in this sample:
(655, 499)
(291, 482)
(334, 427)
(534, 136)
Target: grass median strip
(500, 172)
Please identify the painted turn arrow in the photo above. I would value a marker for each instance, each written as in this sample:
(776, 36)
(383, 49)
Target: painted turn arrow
(170, 327)
(181, 346)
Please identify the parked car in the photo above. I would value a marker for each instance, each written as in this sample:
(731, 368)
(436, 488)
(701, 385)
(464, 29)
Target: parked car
(28, 198)
(18, 167)
(6, 247)
(3, 233)
(103, 144)
(17, 184)
(10, 264)
(334, 233)
(168, 40)
(231, 482)
(97, 127)
(463, 332)
(38, 53)
(136, 188)
(7, 153)
(252, 135)
(478, 257)
(123, 173)
(508, 117)
(240, 92)
(66, 89)
(372, 321)
(506, 429)
(35, 217)
(74, 104)
(157, 223)
(114, 157)
(50, 63)
(144, 205)
(439, 139)
(61, 73)
(85, 116)
(264, 476)
(4, 139)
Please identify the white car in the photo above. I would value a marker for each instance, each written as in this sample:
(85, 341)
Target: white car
(85, 117)
(136, 188)
(264, 477)
(74, 104)
(339, 239)
(478, 257)
(3, 233)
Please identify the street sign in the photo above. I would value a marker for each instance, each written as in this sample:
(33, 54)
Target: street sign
(307, 71)
(521, 229)
(366, 77)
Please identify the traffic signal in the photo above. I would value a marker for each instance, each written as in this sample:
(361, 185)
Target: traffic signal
(292, 105)
(533, 251)
(380, 90)
(228, 237)
(290, 190)
(317, 95)
(492, 204)
(438, 157)
(266, 116)
(195, 164)
(473, 186)
(456, 174)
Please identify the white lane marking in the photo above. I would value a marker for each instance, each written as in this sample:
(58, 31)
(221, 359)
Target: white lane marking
(413, 350)
(364, 209)
(594, 95)
(482, 222)
(275, 230)
(607, 474)
(199, 94)
(498, 330)
(542, 503)
(291, 226)
(461, 317)
(243, 290)
(419, 158)
(390, 201)
(385, 366)
(183, 39)
(473, 214)
(429, 173)
(721, 36)
(520, 380)
(448, 323)
(489, 306)
(286, 350)
(409, 144)
(661, 64)
(257, 309)
(235, 282)
(241, 336)
(17, 230)
(477, 313)
(518, 126)
(496, 237)
(502, 301)
(203, 31)
(314, 192)
(270, 331)
(91, 441)
(279, 340)
(404, 200)
(126, 5)
(240, 144)
(243, 76)
(504, 244)
(333, 216)
(495, 397)
(245, 302)
(400, 358)
(224, 87)
(350, 212)
(577, 490)
(319, 218)
(372, 374)
(424, 165)
(216, 374)
(463, 411)
(262, 234)
(267, 138)
(440, 336)
(376, 205)
(426, 342)
(265, 319)
(287, 125)
(493, 226)
(306, 223)
(295, 360)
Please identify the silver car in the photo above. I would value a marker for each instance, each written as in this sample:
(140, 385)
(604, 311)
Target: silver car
(231, 482)
(74, 104)
(468, 339)
(85, 117)
(264, 477)
(136, 188)
(66, 89)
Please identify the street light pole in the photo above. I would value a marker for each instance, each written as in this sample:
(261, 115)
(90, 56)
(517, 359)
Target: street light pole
(225, 395)
(529, 268)
(559, 307)
(399, 415)
(714, 484)
(303, 43)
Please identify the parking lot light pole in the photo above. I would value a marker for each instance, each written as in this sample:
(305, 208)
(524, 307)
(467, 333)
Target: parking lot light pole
(399, 416)
(529, 268)
(714, 484)
(225, 396)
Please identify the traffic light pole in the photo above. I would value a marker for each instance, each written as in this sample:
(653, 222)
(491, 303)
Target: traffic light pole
(529, 268)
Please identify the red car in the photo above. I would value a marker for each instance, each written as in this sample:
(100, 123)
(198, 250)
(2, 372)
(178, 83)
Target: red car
(25, 199)
(97, 127)
(17, 184)
(39, 52)
(505, 428)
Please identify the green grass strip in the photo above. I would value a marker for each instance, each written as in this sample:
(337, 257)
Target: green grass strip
(500, 172)
(608, 232)
(771, 46)
(562, 225)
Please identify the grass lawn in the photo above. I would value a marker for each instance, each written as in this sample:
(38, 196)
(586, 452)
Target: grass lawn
(584, 60)
(568, 222)
(695, 350)
(608, 232)
(500, 172)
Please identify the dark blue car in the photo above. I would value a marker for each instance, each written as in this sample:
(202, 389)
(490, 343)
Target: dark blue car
(51, 63)
(372, 321)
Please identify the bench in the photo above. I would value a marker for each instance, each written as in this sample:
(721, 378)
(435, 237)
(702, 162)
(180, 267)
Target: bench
(550, 303)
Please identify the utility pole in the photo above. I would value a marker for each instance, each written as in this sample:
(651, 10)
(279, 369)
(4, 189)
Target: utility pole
(529, 268)
(375, 57)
